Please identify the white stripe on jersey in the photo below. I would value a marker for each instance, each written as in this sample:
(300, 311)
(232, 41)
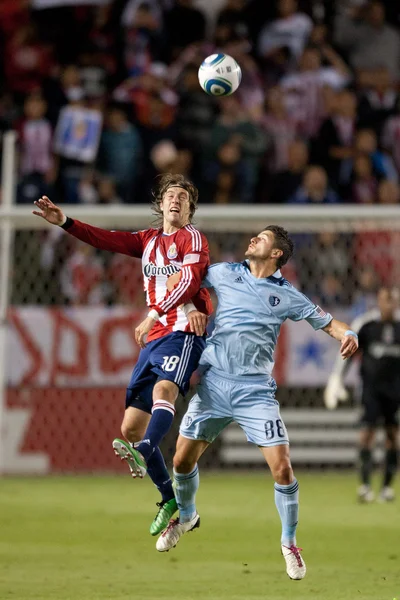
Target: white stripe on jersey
(196, 238)
(145, 259)
(181, 321)
(185, 356)
(160, 283)
(180, 289)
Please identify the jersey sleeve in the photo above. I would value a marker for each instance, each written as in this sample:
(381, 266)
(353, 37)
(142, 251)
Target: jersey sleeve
(196, 259)
(213, 275)
(302, 307)
(122, 242)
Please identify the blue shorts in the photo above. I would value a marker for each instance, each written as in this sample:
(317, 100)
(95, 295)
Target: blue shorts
(173, 357)
(248, 401)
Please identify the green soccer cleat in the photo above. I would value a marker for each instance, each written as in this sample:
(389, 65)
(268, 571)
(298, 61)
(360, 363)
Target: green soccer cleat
(135, 460)
(162, 518)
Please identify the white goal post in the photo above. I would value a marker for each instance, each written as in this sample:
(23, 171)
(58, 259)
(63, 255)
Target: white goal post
(8, 178)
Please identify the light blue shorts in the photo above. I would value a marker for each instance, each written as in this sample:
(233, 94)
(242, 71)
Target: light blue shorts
(248, 401)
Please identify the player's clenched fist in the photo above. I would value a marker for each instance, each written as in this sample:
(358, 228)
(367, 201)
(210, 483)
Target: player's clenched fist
(49, 211)
(349, 345)
(197, 321)
(142, 330)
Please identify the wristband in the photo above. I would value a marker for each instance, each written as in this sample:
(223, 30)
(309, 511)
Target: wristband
(153, 314)
(67, 223)
(350, 332)
(187, 308)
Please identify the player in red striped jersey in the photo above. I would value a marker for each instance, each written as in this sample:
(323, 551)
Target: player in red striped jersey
(171, 352)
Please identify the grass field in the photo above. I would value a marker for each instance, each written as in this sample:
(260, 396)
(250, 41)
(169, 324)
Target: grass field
(86, 538)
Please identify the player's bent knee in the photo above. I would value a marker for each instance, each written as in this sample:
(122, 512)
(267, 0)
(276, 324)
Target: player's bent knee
(283, 473)
(165, 390)
(183, 464)
(130, 433)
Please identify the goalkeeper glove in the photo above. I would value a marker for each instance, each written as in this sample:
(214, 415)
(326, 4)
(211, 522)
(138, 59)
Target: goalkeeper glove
(335, 392)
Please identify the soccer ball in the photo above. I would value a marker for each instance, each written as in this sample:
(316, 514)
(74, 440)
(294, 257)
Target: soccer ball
(220, 75)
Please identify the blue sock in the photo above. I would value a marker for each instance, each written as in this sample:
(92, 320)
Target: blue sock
(160, 423)
(287, 503)
(159, 475)
(186, 487)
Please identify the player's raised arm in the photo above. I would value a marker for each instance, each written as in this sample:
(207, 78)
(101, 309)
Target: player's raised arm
(342, 332)
(123, 242)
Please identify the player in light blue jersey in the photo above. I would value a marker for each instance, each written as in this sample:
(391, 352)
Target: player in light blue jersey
(253, 302)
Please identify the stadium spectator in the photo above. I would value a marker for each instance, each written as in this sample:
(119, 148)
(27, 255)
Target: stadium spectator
(37, 167)
(142, 24)
(364, 184)
(285, 183)
(93, 73)
(59, 90)
(335, 139)
(235, 141)
(367, 39)
(28, 61)
(391, 138)
(290, 30)
(107, 191)
(315, 188)
(195, 116)
(120, 152)
(76, 141)
(304, 88)
(378, 98)
(366, 286)
(326, 268)
(388, 192)
(366, 145)
(280, 128)
(178, 37)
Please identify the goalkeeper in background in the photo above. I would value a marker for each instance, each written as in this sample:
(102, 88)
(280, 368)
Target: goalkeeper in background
(379, 344)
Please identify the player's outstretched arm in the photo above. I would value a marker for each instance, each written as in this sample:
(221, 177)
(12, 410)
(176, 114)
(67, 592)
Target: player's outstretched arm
(123, 242)
(342, 332)
(49, 211)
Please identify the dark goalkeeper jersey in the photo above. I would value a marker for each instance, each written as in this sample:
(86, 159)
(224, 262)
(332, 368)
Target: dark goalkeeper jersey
(379, 342)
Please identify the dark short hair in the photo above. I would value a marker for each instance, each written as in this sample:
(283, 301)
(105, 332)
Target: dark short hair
(173, 180)
(282, 242)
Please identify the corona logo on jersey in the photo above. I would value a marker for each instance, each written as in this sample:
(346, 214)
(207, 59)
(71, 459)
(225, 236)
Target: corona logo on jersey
(151, 270)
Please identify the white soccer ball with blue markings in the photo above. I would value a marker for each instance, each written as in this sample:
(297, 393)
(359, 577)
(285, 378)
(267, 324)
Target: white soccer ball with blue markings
(220, 75)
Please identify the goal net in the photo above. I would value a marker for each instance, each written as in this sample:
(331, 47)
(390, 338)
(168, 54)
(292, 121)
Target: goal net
(69, 347)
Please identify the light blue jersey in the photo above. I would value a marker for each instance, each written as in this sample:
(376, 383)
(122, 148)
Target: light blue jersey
(249, 316)
(237, 385)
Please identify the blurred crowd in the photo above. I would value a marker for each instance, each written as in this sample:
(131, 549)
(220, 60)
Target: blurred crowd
(105, 97)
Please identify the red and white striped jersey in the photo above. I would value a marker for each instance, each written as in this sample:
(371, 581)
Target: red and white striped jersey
(304, 96)
(162, 255)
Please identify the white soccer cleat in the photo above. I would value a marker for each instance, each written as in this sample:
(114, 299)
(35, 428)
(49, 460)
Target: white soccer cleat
(365, 494)
(170, 537)
(295, 565)
(386, 494)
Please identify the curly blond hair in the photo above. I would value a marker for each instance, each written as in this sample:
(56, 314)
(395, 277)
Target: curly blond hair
(173, 180)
